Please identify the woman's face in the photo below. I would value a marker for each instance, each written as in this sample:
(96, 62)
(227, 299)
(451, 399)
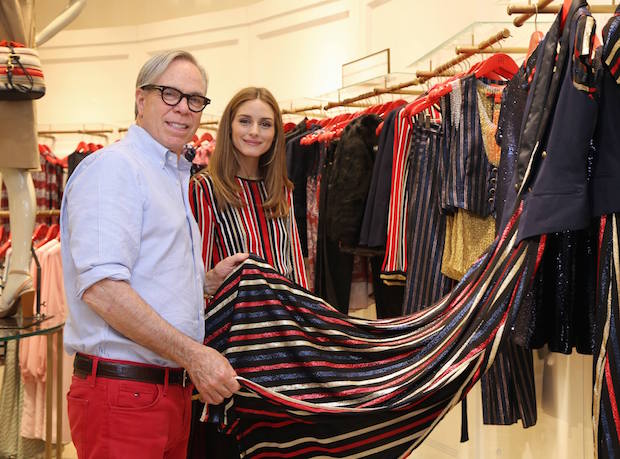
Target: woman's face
(253, 130)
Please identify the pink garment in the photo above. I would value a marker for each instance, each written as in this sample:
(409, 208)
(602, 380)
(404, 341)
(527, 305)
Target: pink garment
(313, 189)
(361, 293)
(33, 351)
(203, 153)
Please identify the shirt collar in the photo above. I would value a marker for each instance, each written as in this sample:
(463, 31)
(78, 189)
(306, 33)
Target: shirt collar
(153, 150)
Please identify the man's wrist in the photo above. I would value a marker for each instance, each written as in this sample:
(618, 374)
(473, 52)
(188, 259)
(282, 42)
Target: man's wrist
(209, 289)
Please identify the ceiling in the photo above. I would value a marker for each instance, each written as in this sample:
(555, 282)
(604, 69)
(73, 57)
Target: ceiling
(108, 13)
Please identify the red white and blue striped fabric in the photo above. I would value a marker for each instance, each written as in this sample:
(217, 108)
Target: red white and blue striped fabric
(317, 383)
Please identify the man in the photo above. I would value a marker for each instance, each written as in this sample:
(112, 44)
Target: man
(135, 281)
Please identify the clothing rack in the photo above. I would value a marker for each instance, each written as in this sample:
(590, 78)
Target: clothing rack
(307, 108)
(423, 76)
(209, 125)
(94, 132)
(544, 7)
(40, 213)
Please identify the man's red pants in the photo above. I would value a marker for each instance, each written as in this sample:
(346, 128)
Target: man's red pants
(113, 418)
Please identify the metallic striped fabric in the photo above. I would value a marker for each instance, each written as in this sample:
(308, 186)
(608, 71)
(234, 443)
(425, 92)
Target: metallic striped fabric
(605, 415)
(317, 383)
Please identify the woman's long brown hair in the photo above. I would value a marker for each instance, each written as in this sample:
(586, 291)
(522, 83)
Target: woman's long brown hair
(224, 165)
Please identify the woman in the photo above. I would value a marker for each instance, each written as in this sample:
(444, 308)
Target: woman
(243, 203)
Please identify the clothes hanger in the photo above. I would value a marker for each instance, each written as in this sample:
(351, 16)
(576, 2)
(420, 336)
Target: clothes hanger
(51, 233)
(536, 37)
(206, 137)
(499, 64)
(5, 247)
(82, 147)
(39, 232)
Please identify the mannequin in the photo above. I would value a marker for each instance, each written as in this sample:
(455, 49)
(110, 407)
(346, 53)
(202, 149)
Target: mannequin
(18, 156)
(19, 153)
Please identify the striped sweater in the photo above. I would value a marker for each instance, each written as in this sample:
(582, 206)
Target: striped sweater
(229, 230)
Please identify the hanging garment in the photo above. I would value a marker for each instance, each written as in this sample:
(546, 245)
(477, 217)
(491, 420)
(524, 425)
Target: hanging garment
(469, 174)
(33, 350)
(394, 267)
(470, 232)
(48, 187)
(559, 311)
(467, 236)
(11, 402)
(333, 268)
(508, 387)
(374, 223)
(318, 383)
(426, 225)
(606, 363)
(555, 191)
(301, 160)
(560, 308)
(349, 180)
(508, 128)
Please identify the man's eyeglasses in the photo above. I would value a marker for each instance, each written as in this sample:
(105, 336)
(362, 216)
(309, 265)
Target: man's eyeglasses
(172, 96)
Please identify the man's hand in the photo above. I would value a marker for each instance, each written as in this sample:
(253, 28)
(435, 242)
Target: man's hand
(216, 276)
(212, 375)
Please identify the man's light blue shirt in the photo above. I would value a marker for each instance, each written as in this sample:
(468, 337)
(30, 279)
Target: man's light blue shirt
(125, 216)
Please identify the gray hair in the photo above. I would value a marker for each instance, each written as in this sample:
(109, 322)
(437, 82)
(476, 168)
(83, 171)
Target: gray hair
(158, 64)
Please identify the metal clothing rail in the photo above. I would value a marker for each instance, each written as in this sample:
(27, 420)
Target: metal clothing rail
(544, 7)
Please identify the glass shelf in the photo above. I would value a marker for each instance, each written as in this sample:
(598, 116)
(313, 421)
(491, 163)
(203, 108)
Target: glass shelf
(476, 33)
(46, 326)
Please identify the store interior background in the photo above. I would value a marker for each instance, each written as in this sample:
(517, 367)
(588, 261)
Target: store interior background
(297, 49)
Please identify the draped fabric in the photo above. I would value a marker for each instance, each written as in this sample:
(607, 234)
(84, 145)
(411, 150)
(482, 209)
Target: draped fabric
(317, 383)
(605, 417)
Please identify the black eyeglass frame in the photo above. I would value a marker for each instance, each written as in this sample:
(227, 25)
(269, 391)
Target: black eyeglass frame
(205, 100)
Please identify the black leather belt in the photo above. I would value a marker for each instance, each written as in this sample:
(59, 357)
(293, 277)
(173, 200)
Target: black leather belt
(83, 366)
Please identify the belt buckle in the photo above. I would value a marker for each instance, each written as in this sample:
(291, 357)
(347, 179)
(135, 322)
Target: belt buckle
(185, 378)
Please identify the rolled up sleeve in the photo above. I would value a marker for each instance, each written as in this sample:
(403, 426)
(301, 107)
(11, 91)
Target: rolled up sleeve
(103, 217)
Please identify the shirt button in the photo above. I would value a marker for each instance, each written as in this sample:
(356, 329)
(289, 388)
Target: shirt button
(544, 154)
